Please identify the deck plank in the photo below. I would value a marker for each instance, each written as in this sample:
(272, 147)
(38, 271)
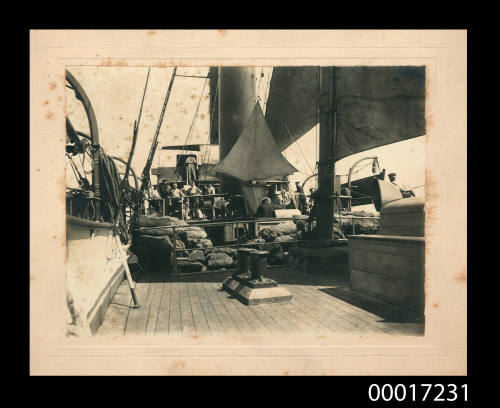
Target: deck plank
(157, 293)
(175, 319)
(200, 320)
(352, 314)
(138, 318)
(312, 294)
(304, 324)
(115, 318)
(226, 320)
(164, 309)
(258, 325)
(271, 322)
(321, 305)
(316, 324)
(237, 317)
(213, 321)
(313, 307)
(187, 319)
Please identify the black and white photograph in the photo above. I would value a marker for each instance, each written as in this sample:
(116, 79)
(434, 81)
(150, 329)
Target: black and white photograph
(248, 200)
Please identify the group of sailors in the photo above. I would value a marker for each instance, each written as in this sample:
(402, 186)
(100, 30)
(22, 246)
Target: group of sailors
(186, 202)
(190, 201)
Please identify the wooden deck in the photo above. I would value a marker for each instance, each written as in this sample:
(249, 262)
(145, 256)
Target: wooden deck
(322, 304)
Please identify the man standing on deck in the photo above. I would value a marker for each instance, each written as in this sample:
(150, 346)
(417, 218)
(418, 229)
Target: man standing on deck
(177, 197)
(193, 201)
(286, 199)
(164, 189)
(301, 198)
(191, 169)
(275, 196)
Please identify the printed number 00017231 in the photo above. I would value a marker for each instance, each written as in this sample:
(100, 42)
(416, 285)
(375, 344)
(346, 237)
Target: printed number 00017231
(418, 392)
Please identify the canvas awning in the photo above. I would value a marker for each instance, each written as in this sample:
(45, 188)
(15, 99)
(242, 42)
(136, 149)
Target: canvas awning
(255, 155)
(376, 106)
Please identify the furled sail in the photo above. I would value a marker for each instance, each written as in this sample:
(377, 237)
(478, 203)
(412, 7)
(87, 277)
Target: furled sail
(376, 106)
(255, 155)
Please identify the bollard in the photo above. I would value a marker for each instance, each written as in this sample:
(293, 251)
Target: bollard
(258, 264)
(244, 260)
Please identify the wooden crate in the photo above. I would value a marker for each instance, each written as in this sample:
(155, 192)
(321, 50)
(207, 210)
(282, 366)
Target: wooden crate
(389, 269)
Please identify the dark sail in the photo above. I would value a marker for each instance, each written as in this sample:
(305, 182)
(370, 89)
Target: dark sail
(376, 106)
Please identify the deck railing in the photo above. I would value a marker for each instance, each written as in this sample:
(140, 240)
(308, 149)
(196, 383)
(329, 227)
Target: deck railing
(185, 205)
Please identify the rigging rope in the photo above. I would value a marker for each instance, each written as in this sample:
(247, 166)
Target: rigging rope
(357, 171)
(207, 155)
(295, 141)
(195, 116)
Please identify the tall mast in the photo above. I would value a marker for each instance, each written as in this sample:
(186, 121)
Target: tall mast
(326, 164)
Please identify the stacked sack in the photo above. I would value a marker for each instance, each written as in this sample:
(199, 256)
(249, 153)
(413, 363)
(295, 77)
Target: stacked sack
(279, 239)
(365, 226)
(152, 240)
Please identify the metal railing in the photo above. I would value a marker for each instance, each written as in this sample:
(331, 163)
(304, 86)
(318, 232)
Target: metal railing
(185, 203)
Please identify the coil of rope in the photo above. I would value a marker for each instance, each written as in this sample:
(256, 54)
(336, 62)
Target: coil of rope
(110, 195)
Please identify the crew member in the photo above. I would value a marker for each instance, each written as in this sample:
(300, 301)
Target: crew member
(164, 189)
(406, 193)
(155, 198)
(286, 199)
(275, 196)
(177, 197)
(193, 201)
(191, 168)
(302, 199)
(265, 209)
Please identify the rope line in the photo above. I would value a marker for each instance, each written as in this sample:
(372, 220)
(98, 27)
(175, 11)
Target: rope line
(195, 116)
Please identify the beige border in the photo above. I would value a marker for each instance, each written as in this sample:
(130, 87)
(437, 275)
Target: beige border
(441, 351)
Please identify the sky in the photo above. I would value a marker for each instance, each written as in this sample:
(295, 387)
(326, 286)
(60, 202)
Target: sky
(116, 94)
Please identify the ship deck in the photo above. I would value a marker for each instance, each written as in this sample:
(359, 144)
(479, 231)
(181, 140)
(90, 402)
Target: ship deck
(322, 304)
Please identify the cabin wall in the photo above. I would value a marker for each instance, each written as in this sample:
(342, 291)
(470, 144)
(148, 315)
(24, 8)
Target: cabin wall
(94, 270)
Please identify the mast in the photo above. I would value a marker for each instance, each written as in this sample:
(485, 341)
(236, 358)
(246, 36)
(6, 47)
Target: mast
(154, 144)
(326, 164)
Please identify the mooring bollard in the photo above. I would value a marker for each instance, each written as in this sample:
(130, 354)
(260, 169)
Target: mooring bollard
(258, 264)
(244, 260)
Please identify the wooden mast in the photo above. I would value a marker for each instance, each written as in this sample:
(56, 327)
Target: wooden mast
(326, 164)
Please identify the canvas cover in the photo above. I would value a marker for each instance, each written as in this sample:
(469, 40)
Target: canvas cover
(255, 155)
(253, 193)
(376, 106)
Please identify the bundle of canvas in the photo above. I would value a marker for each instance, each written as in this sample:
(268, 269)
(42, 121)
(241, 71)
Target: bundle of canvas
(283, 239)
(283, 228)
(189, 266)
(155, 221)
(197, 256)
(160, 226)
(153, 252)
(269, 235)
(191, 233)
(361, 226)
(256, 243)
(226, 250)
(218, 260)
(202, 243)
